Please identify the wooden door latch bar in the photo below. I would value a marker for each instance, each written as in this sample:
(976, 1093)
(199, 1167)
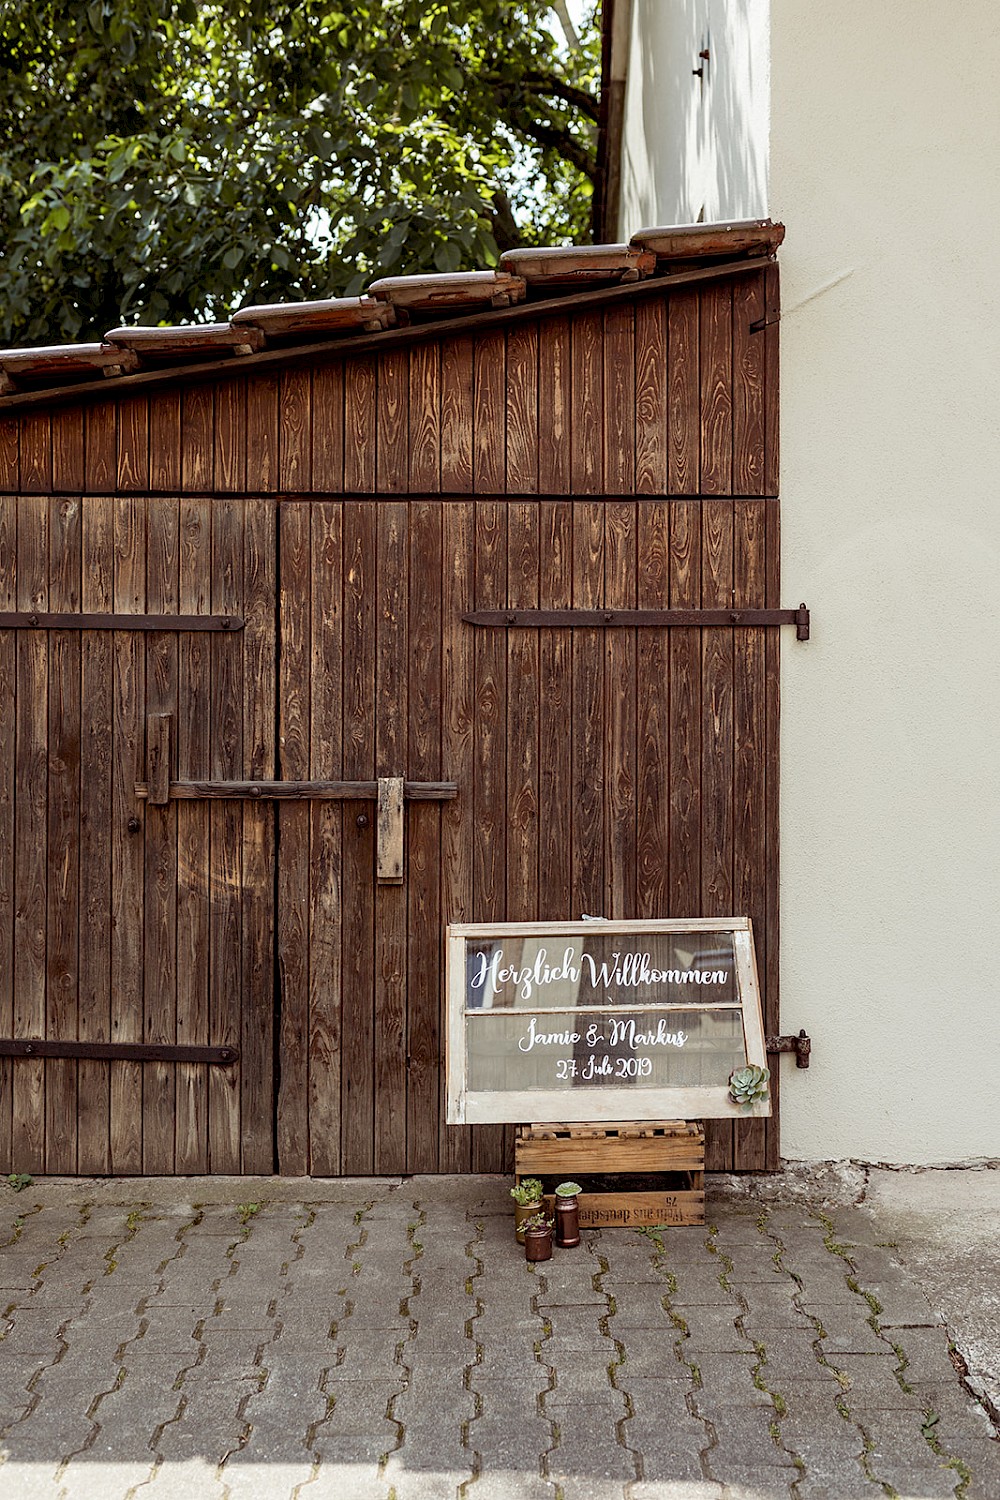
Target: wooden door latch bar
(801, 1045)
(299, 791)
(638, 619)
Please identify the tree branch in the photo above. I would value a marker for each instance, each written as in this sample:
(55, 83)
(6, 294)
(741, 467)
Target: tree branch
(555, 140)
(547, 83)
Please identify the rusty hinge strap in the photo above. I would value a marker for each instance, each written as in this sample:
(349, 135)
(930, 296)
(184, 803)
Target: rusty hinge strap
(117, 1051)
(641, 619)
(36, 620)
(801, 1045)
(301, 791)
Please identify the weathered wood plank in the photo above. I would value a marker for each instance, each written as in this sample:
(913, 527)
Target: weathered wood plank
(523, 717)
(127, 861)
(358, 1016)
(10, 454)
(425, 419)
(226, 834)
(393, 423)
(193, 758)
(748, 387)
(555, 769)
(8, 743)
(326, 972)
(293, 840)
(587, 405)
(262, 432)
(359, 425)
(456, 415)
(772, 310)
(30, 835)
(68, 467)
(489, 806)
(619, 401)
(554, 406)
(589, 747)
(620, 666)
(295, 430)
(160, 936)
(555, 776)
(256, 1078)
(716, 362)
(198, 438)
(391, 720)
(230, 430)
(328, 429)
(684, 647)
(158, 758)
(651, 398)
(96, 720)
(165, 440)
(683, 394)
(133, 443)
(749, 777)
(424, 853)
(458, 720)
(389, 840)
(489, 450)
(36, 453)
(717, 757)
(652, 779)
(522, 410)
(101, 443)
(63, 939)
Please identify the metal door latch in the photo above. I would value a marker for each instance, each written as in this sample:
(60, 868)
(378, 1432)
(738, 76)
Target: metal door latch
(801, 1045)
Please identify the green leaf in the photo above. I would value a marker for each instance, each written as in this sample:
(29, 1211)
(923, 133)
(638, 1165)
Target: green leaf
(447, 256)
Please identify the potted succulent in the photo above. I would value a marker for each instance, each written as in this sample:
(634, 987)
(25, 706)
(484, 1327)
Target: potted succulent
(527, 1196)
(567, 1215)
(538, 1236)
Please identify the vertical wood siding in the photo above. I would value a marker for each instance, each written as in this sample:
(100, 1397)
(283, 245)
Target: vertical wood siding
(352, 512)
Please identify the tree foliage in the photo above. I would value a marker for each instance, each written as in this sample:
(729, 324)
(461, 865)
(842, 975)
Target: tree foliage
(166, 160)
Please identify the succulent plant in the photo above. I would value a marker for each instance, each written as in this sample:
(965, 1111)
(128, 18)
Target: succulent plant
(748, 1085)
(568, 1189)
(538, 1221)
(528, 1191)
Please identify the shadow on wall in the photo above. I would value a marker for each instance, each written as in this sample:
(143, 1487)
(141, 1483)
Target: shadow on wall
(695, 146)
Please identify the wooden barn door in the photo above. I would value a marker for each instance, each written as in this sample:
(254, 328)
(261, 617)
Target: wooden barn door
(599, 766)
(128, 919)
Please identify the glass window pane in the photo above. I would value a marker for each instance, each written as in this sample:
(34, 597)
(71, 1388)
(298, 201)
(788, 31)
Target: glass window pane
(639, 1049)
(600, 968)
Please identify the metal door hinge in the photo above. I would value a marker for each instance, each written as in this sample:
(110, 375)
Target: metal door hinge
(801, 1045)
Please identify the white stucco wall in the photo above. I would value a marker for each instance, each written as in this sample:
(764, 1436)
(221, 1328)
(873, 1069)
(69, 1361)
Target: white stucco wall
(695, 148)
(885, 137)
(884, 142)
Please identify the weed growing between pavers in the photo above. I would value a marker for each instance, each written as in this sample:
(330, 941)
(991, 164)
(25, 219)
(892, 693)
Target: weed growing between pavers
(930, 1418)
(777, 1400)
(17, 1227)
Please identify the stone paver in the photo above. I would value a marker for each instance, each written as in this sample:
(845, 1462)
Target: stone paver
(386, 1339)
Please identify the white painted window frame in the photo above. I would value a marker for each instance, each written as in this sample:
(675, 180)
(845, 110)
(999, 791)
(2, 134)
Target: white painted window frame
(574, 1106)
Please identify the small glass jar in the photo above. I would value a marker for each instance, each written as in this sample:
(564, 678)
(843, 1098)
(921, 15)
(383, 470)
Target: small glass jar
(538, 1242)
(567, 1222)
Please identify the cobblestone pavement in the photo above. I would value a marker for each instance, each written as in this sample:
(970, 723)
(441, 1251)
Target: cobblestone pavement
(371, 1338)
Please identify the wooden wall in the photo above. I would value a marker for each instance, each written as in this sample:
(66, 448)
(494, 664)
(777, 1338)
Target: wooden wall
(624, 456)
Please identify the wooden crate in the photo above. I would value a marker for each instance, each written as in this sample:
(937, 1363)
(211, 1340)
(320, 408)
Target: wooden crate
(647, 1147)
